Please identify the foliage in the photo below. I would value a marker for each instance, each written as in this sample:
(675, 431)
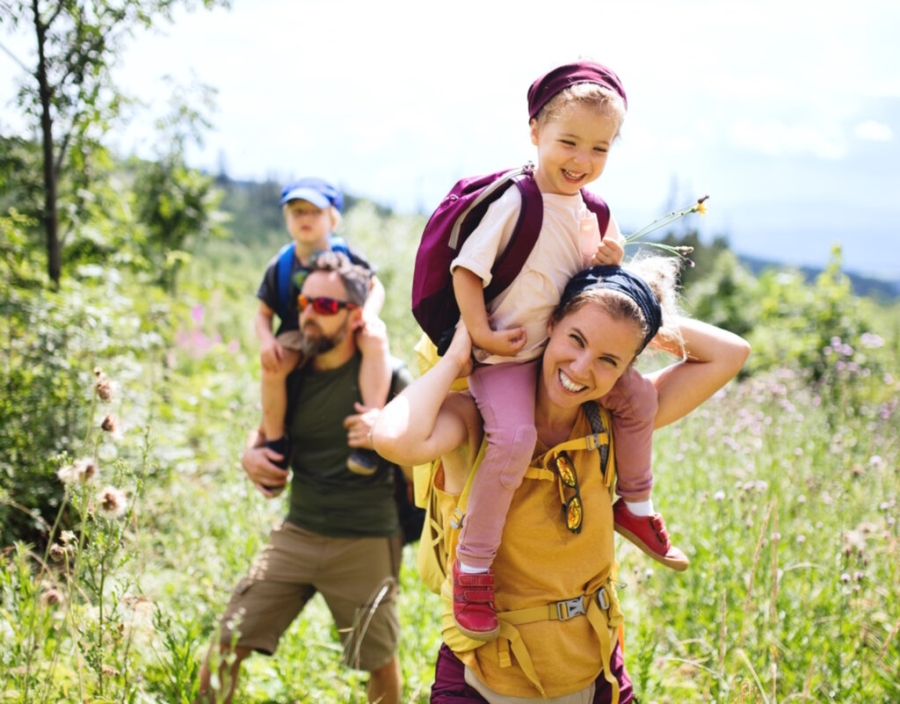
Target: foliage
(783, 490)
(67, 92)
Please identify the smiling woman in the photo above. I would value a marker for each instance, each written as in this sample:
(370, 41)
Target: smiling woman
(558, 612)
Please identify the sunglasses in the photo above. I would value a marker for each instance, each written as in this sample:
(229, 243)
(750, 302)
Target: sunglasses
(323, 305)
(572, 504)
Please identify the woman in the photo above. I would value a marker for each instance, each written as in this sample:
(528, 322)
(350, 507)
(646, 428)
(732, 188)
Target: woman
(555, 571)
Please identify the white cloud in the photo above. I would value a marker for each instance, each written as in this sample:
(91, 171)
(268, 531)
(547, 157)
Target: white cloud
(873, 131)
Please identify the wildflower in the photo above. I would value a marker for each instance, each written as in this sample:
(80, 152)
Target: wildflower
(112, 502)
(719, 496)
(67, 537)
(698, 207)
(81, 470)
(109, 423)
(52, 597)
(845, 578)
(801, 539)
(871, 340)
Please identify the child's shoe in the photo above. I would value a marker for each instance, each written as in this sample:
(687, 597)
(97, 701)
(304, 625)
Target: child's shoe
(362, 461)
(650, 535)
(473, 604)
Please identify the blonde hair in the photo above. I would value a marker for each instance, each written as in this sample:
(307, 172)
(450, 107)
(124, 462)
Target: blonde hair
(592, 95)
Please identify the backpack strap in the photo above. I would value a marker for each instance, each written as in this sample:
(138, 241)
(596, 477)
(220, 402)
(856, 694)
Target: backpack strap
(525, 233)
(283, 279)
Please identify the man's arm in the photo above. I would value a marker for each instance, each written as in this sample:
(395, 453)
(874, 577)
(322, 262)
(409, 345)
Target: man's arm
(257, 461)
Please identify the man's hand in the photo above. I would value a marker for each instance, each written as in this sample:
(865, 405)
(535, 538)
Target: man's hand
(258, 464)
(359, 426)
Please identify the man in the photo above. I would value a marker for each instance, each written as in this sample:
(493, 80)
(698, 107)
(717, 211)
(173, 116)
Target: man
(341, 536)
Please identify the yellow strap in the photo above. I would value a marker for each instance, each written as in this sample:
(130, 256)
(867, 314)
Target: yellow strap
(603, 620)
(510, 639)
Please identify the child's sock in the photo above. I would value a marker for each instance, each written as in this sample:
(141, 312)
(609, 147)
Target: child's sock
(468, 569)
(640, 508)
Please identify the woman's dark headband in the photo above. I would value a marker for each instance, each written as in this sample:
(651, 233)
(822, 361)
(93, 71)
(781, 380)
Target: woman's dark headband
(618, 279)
(544, 88)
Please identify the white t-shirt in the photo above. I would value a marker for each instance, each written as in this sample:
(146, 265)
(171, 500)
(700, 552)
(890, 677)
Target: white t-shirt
(531, 298)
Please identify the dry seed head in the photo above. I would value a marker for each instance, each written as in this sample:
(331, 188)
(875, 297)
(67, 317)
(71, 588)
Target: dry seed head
(104, 389)
(112, 501)
(52, 597)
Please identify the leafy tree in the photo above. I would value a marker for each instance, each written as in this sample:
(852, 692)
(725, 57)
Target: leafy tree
(174, 202)
(67, 90)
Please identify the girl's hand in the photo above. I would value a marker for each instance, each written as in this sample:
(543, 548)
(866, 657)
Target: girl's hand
(611, 251)
(503, 343)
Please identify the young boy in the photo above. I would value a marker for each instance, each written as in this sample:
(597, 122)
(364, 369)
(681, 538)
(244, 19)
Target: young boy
(312, 212)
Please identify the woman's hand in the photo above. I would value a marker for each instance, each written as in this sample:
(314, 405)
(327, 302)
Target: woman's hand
(460, 350)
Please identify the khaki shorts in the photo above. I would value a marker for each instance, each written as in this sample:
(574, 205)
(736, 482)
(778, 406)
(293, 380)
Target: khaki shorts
(358, 578)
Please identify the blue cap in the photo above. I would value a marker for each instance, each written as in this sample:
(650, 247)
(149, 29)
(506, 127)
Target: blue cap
(313, 190)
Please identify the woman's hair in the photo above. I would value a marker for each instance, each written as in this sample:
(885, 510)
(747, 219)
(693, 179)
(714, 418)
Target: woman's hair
(661, 275)
(592, 95)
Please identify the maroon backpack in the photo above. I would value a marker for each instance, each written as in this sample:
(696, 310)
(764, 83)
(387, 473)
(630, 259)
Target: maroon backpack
(433, 302)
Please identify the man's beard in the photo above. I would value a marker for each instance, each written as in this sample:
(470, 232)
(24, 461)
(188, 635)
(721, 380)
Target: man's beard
(312, 345)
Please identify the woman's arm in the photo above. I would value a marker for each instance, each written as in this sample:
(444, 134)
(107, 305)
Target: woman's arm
(713, 357)
(422, 423)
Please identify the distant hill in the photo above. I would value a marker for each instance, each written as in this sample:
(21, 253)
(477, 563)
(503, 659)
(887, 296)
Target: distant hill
(256, 212)
(878, 289)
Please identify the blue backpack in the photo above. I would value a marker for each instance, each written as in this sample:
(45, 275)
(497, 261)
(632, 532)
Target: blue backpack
(283, 277)
(433, 302)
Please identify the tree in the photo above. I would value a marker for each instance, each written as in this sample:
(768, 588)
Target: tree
(67, 90)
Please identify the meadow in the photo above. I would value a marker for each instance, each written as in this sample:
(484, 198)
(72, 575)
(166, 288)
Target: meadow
(783, 489)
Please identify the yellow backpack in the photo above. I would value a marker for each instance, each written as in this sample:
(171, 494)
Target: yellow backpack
(437, 544)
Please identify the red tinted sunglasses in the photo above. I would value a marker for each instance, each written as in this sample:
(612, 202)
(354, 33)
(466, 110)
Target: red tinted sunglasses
(323, 305)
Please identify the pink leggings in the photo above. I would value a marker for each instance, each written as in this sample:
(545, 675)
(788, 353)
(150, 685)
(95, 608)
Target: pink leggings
(505, 396)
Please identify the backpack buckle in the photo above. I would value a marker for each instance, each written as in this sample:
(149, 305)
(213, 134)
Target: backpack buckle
(570, 608)
(603, 598)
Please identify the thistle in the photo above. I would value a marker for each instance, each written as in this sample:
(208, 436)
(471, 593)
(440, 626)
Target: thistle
(699, 207)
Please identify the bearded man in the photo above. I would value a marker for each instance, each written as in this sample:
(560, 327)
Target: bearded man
(341, 536)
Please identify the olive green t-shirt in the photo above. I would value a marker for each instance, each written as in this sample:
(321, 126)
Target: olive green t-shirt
(326, 497)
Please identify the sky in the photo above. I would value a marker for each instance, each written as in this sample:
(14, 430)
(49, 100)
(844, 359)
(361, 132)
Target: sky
(786, 113)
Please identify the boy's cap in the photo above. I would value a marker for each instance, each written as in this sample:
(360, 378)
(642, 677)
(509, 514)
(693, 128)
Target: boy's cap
(313, 190)
(560, 78)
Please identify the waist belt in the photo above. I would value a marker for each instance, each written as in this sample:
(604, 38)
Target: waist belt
(601, 608)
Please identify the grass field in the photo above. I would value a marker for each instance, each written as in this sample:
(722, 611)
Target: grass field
(783, 494)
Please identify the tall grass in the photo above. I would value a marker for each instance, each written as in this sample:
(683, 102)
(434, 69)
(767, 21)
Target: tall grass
(783, 493)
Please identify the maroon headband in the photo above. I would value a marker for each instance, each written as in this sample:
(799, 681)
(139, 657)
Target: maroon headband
(560, 78)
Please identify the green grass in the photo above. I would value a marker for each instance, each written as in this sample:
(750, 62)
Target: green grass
(785, 497)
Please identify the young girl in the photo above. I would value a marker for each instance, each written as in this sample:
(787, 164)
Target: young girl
(575, 114)
(312, 211)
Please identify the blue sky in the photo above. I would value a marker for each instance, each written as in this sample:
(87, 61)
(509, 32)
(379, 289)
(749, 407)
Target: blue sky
(786, 113)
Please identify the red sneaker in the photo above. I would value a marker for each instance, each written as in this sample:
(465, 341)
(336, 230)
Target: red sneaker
(650, 535)
(473, 604)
